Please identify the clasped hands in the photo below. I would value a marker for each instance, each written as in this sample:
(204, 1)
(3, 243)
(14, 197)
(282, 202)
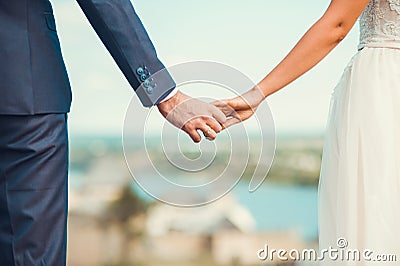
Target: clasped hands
(192, 115)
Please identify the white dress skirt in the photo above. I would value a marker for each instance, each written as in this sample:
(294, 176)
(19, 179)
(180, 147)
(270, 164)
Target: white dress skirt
(359, 189)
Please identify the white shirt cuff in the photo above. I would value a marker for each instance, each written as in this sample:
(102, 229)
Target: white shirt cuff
(170, 95)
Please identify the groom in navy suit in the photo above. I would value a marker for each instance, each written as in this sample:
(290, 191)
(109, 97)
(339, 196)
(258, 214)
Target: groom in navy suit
(35, 98)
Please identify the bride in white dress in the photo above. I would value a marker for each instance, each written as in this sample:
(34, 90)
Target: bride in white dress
(359, 190)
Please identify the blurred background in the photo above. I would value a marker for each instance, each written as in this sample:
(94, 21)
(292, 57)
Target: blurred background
(112, 221)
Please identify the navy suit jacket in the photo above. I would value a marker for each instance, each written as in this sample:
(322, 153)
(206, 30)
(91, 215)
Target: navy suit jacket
(33, 77)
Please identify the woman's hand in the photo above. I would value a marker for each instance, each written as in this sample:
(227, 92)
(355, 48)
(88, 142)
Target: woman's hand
(240, 108)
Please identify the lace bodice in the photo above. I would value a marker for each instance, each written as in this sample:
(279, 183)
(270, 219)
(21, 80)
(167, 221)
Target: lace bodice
(380, 24)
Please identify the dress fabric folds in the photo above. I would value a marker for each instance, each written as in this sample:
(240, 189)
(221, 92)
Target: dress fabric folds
(359, 189)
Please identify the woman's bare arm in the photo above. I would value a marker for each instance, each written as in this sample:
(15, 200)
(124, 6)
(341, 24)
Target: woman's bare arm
(315, 45)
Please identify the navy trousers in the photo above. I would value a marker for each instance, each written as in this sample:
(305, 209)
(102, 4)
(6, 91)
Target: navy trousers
(33, 189)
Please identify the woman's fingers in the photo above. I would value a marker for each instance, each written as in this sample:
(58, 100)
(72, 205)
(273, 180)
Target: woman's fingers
(224, 107)
(233, 115)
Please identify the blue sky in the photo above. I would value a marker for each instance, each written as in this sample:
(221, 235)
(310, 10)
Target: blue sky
(252, 36)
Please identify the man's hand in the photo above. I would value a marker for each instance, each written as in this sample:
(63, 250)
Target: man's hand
(240, 108)
(190, 115)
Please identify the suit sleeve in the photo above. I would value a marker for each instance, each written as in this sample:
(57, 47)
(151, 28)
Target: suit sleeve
(123, 34)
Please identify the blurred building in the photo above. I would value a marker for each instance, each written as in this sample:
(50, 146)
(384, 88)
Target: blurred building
(224, 230)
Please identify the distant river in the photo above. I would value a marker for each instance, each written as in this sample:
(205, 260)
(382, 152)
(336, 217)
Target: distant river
(282, 207)
(278, 207)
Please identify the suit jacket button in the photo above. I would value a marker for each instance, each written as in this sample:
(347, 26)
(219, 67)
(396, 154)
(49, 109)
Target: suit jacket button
(149, 90)
(140, 71)
(146, 83)
(143, 77)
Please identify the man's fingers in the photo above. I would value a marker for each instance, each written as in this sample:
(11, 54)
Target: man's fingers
(214, 125)
(208, 132)
(217, 114)
(194, 135)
